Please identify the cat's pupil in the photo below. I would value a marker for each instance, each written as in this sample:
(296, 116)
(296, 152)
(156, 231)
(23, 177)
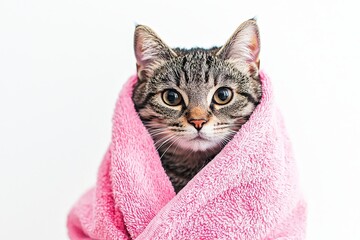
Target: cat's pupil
(172, 96)
(223, 94)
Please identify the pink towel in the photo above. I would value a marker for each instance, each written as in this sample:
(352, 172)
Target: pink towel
(248, 191)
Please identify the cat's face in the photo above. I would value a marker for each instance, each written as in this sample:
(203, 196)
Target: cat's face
(196, 99)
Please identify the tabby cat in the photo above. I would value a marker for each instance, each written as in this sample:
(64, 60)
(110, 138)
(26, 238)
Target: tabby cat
(193, 101)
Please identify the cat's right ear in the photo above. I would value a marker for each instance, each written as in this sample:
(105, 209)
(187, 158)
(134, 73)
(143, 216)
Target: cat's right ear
(150, 51)
(243, 47)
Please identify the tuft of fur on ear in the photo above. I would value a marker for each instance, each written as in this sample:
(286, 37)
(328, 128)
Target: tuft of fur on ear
(150, 51)
(243, 47)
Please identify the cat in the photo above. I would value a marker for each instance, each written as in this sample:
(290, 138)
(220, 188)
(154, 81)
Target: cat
(193, 101)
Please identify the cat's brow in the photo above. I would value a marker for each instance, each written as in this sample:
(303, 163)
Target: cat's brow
(226, 78)
(172, 79)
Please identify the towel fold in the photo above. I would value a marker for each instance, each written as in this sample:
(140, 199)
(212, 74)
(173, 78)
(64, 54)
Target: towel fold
(248, 191)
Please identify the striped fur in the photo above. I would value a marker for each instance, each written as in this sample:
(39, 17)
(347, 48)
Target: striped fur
(195, 74)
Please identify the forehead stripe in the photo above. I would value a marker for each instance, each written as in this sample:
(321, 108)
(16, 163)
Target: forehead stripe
(184, 70)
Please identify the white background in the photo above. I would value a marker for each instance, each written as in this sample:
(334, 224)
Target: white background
(62, 64)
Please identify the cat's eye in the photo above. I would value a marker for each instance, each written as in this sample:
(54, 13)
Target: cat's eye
(171, 97)
(223, 96)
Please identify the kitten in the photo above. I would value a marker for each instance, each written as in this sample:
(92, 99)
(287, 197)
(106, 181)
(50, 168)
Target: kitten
(193, 101)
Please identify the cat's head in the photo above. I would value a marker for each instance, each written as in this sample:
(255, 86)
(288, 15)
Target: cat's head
(196, 99)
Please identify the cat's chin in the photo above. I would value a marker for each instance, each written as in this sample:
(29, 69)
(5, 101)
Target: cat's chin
(198, 144)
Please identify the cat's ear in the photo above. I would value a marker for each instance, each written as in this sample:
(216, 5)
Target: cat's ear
(150, 51)
(243, 47)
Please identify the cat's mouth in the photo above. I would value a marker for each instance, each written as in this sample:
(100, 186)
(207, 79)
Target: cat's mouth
(200, 142)
(198, 137)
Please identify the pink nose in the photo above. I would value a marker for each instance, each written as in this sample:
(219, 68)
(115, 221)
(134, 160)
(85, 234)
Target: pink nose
(197, 123)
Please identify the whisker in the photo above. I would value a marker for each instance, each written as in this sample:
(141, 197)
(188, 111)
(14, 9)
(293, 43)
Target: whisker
(160, 140)
(169, 147)
(166, 141)
(158, 133)
(177, 145)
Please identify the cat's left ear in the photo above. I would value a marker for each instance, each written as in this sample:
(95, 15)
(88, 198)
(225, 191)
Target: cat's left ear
(243, 47)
